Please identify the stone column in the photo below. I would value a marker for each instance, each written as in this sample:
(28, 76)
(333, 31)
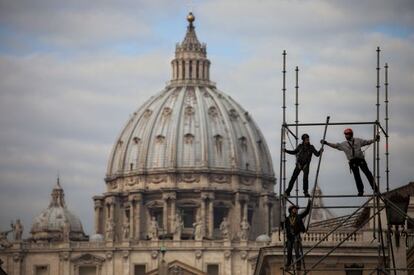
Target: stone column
(167, 219)
(210, 215)
(131, 217)
(98, 214)
(187, 69)
(64, 263)
(200, 70)
(267, 205)
(110, 262)
(17, 267)
(138, 217)
(245, 210)
(194, 69)
(165, 214)
(173, 210)
(180, 70)
(174, 69)
(204, 199)
(125, 256)
(205, 68)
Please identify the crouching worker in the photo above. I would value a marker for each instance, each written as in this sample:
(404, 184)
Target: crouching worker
(303, 154)
(352, 149)
(294, 226)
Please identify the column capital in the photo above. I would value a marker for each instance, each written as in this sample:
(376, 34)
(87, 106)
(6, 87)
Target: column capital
(136, 197)
(98, 204)
(64, 256)
(242, 197)
(169, 196)
(207, 195)
(18, 257)
(110, 200)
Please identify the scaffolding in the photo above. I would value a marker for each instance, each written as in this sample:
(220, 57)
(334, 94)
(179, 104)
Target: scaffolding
(376, 201)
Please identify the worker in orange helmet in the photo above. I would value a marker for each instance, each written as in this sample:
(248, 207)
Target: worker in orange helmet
(352, 149)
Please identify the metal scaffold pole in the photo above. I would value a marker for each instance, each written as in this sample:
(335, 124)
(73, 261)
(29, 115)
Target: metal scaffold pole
(387, 154)
(283, 155)
(297, 121)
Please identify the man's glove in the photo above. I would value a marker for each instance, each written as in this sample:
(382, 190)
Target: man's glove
(324, 141)
(377, 138)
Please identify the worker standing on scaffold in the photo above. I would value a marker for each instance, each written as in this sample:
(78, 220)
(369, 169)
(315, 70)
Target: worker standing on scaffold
(303, 154)
(293, 226)
(352, 149)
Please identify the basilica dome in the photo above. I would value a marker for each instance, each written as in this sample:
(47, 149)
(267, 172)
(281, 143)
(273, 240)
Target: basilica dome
(190, 126)
(190, 157)
(50, 224)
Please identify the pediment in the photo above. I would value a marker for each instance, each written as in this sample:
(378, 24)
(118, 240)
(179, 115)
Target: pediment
(178, 268)
(86, 259)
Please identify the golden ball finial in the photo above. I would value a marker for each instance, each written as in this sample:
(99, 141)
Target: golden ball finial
(190, 18)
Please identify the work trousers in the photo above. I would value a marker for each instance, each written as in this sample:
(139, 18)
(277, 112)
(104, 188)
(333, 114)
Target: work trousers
(298, 168)
(355, 165)
(294, 243)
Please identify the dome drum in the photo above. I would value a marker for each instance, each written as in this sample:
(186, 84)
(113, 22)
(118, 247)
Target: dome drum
(138, 209)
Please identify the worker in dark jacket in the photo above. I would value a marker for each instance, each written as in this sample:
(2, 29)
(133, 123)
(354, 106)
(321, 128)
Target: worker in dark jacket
(352, 149)
(303, 154)
(293, 226)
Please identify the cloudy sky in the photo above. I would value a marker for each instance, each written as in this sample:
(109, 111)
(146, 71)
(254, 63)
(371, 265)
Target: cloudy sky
(71, 73)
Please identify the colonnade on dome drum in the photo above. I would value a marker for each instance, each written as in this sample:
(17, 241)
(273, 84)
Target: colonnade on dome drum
(376, 203)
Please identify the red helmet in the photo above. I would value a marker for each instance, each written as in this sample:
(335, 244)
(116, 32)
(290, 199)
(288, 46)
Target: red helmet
(348, 131)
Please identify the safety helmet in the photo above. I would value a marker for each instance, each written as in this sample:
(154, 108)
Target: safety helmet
(348, 131)
(305, 136)
(291, 208)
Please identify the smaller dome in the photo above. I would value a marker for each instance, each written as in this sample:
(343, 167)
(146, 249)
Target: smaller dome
(54, 222)
(263, 238)
(96, 238)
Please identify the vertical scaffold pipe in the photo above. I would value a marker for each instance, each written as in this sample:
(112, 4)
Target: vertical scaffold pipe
(317, 171)
(283, 154)
(284, 87)
(284, 122)
(387, 154)
(297, 121)
(374, 153)
(377, 157)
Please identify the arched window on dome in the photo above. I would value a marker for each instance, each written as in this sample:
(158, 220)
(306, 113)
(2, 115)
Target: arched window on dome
(218, 143)
(197, 69)
(243, 143)
(190, 67)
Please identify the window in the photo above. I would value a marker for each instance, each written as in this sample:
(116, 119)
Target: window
(353, 269)
(157, 213)
(213, 269)
(188, 215)
(250, 216)
(41, 270)
(219, 214)
(87, 270)
(139, 269)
